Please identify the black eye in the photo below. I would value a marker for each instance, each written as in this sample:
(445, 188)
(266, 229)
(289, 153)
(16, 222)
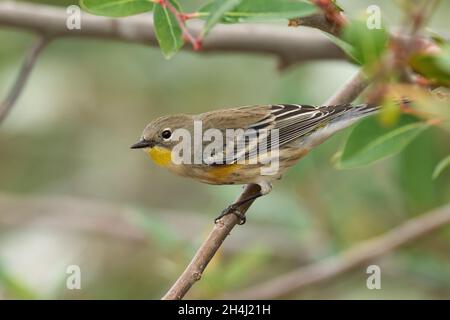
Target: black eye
(166, 134)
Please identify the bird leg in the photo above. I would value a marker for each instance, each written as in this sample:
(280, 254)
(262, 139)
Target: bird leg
(234, 208)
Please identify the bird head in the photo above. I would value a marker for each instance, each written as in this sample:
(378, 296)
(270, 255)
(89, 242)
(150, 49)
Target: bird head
(159, 132)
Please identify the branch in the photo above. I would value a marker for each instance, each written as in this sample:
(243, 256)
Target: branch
(317, 21)
(22, 78)
(350, 90)
(288, 44)
(349, 259)
(208, 249)
(224, 226)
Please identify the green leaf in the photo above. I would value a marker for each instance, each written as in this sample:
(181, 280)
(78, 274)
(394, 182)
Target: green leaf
(217, 11)
(415, 167)
(249, 10)
(435, 67)
(366, 45)
(370, 141)
(345, 46)
(441, 166)
(167, 29)
(116, 8)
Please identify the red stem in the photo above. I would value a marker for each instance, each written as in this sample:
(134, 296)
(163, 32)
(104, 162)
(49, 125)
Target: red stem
(181, 19)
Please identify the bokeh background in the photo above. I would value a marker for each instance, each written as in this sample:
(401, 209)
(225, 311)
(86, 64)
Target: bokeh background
(72, 192)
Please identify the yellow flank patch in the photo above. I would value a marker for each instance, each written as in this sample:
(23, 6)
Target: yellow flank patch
(221, 172)
(161, 156)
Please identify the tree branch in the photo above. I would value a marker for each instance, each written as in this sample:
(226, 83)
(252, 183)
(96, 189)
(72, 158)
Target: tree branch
(22, 78)
(224, 226)
(289, 44)
(350, 90)
(317, 21)
(208, 249)
(362, 253)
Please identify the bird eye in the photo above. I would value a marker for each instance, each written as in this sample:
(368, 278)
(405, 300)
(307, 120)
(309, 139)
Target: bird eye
(166, 134)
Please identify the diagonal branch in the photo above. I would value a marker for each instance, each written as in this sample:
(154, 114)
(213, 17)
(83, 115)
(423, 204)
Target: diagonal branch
(208, 249)
(358, 255)
(349, 90)
(223, 227)
(22, 78)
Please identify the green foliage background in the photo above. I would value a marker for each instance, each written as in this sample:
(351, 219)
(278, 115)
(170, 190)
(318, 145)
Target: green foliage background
(87, 101)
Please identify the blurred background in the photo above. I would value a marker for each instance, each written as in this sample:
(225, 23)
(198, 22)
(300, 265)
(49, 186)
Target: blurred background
(72, 192)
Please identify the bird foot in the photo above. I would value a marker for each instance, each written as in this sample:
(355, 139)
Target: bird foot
(232, 209)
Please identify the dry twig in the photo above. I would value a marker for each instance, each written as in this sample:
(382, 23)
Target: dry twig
(19, 84)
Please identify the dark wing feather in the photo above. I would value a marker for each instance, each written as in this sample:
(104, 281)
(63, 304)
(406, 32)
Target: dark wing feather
(292, 121)
(237, 118)
(295, 124)
(295, 121)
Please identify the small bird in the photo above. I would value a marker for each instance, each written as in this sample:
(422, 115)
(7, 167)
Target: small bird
(283, 132)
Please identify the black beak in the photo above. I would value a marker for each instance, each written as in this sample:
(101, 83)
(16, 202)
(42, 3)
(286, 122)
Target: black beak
(142, 144)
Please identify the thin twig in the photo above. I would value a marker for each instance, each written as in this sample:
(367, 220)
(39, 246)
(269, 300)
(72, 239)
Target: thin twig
(19, 84)
(350, 90)
(221, 230)
(181, 19)
(364, 252)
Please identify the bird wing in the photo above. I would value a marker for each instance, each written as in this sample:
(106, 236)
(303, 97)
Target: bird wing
(292, 122)
(243, 140)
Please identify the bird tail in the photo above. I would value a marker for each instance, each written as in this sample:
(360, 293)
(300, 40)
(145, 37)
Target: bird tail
(351, 115)
(366, 109)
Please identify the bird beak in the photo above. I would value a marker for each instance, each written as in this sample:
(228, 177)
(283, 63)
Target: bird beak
(142, 144)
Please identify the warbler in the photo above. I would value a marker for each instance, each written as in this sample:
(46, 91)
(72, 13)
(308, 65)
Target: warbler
(266, 133)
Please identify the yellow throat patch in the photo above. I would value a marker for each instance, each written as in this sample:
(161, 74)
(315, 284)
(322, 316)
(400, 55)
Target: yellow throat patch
(161, 156)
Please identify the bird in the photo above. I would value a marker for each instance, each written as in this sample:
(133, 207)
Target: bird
(279, 134)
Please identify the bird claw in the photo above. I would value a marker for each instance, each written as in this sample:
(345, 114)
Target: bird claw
(232, 209)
